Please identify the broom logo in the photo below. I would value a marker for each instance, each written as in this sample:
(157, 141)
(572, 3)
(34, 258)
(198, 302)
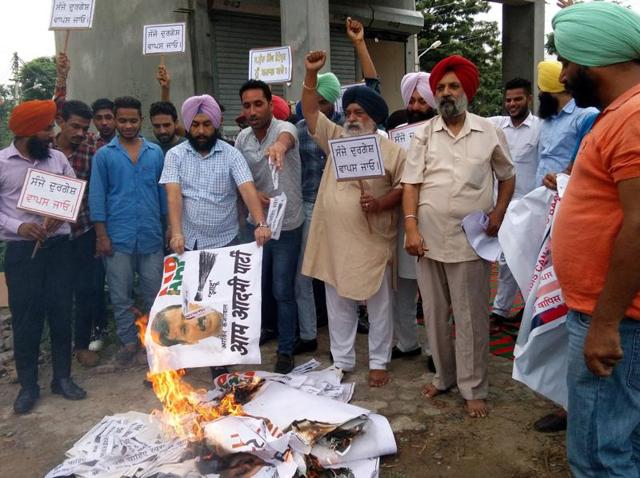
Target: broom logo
(207, 260)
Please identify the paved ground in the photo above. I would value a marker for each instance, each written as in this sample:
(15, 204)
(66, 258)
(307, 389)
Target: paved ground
(435, 439)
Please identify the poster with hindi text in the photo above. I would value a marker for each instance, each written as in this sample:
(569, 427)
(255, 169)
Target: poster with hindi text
(71, 14)
(51, 195)
(402, 135)
(357, 157)
(161, 39)
(207, 312)
(271, 65)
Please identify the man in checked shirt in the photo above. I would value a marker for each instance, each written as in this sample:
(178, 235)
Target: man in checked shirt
(74, 119)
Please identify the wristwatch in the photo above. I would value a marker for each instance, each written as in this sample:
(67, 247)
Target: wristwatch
(262, 224)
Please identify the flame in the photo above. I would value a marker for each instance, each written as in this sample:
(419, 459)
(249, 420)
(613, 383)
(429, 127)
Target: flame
(183, 408)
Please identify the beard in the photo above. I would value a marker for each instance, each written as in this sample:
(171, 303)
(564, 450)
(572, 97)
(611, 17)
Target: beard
(357, 128)
(418, 116)
(548, 105)
(165, 138)
(202, 143)
(450, 107)
(37, 148)
(583, 89)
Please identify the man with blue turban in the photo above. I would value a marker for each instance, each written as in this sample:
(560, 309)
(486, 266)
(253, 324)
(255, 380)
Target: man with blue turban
(313, 162)
(354, 226)
(595, 246)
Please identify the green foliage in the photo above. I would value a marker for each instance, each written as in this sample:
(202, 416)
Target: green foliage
(37, 79)
(6, 105)
(453, 23)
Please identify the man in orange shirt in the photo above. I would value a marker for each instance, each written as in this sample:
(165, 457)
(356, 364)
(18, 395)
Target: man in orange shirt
(596, 240)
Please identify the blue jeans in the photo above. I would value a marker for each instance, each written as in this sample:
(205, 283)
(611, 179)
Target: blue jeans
(305, 300)
(603, 434)
(121, 269)
(279, 265)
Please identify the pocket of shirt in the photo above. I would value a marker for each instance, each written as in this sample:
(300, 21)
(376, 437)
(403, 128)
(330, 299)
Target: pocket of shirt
(149, 176)
(474, 172)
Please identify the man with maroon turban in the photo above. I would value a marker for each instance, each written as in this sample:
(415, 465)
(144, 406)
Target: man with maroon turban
(449, 174)
(38, 285)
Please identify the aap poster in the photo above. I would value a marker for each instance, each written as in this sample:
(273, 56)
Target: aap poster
(207, 312)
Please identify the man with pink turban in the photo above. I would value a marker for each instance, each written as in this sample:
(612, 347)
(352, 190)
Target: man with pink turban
(449, 174)
(207, 218)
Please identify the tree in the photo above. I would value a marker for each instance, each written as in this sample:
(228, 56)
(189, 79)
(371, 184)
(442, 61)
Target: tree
(37, 79)
(6, 105)
(453, 23)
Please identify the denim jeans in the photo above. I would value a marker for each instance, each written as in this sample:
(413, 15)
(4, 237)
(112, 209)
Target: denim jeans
(603, 434)
(88, 289)
(121, 269)
(305, 300)
(279, 265)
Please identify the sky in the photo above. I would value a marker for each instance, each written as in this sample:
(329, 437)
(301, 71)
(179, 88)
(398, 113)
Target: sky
(24, 28)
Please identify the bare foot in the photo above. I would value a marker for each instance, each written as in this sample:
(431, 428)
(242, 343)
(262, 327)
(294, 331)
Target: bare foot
(430, 391)
(477, 408)
(379, 378)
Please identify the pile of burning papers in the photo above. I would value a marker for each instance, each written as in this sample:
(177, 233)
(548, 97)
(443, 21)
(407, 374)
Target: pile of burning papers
(251, 424)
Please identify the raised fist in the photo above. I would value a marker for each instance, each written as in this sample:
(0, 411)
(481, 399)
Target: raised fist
(315, 60)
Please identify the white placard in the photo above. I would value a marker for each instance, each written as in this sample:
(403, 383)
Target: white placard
(357, 157)
(271, 65)
(52, 195)
(275, 215)
(207, 312)
(71, 14)
(402, 135)
(167, 38)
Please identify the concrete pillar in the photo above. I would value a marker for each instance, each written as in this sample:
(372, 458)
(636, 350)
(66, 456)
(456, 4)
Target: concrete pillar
(522, 40)
(305, 27)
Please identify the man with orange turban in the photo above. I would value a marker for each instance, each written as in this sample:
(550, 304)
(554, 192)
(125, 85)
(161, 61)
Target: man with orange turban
(38, 286)
(449, 174)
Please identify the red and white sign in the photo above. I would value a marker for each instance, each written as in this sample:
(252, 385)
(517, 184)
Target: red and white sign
(52, 195)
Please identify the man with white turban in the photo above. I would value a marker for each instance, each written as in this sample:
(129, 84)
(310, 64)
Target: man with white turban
(595, 246)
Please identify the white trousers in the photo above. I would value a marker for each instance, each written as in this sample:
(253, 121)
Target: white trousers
(343, 326)
(405, 327)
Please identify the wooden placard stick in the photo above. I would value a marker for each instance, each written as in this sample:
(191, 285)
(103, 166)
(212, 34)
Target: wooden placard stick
(366, 214)
(39, 243)
(161, 59)
(67, 33)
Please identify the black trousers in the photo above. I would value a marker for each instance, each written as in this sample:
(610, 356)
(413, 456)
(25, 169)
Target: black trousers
(40, 288)
(88, 288)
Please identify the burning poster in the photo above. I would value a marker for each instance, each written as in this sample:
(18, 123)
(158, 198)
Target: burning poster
(207, 312)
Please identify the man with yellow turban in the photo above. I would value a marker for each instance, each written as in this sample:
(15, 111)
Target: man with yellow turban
(39, 286)
(595, 246)
(562, 122)
(450, 170)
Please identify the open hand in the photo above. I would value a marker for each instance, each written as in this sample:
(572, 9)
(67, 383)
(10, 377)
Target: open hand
(276, 153)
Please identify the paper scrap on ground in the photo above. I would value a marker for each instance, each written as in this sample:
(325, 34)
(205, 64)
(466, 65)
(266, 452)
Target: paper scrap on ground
(279, 427)
(487, 247)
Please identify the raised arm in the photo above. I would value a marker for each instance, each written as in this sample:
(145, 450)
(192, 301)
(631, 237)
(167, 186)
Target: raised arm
(313, 62)
(164, 80)
(355, 32)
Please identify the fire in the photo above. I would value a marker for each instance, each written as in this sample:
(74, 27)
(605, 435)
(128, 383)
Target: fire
(183, 409)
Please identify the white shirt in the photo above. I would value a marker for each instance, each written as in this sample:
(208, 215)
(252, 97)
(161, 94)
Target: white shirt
(523, 145)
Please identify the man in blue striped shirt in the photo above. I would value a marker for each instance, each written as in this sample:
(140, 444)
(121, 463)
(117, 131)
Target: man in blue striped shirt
(128, 207)
(202, 177)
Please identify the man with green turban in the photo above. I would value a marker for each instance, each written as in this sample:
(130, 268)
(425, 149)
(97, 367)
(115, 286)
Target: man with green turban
(313, 161)
(595, 246)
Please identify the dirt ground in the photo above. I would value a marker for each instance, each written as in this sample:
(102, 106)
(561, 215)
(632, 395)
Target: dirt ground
(435, 439)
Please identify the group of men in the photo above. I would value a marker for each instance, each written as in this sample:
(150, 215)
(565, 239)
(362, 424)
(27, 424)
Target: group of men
(184, 193)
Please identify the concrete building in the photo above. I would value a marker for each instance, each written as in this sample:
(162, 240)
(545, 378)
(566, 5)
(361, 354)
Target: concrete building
(107, 60)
